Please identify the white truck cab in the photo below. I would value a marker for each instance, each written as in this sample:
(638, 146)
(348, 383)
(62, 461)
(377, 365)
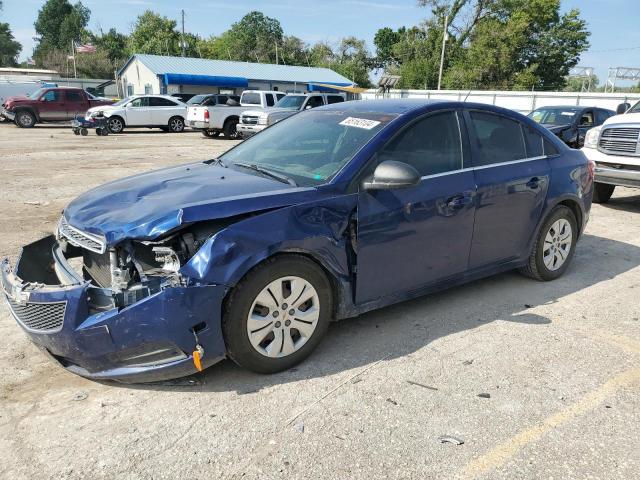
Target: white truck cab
(615, 148)
(217, 119)
(254, 121)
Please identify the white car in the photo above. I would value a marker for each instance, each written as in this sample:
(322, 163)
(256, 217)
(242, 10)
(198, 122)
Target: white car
(615, 148)
(152, 111)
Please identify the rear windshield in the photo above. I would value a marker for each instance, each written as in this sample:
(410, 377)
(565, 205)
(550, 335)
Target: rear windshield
(197, 100)
(250, 98)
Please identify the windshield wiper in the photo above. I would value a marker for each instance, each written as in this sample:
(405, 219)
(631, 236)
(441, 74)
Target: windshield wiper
(276, 176)
(215, 161)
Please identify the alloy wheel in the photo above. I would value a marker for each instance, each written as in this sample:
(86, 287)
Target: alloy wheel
(176, 125)
(283, 317)
(115, 125)
(26, 120)
(557, 244)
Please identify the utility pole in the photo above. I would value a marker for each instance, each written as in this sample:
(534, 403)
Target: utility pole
(445, 37)
(183, 45)
(73, 55)
(276, 53)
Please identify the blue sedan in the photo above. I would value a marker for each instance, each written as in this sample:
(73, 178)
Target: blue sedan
(329, 214)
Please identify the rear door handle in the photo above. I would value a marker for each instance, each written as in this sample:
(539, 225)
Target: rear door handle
(533, 183)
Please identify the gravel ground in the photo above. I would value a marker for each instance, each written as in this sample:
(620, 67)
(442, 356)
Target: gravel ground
(540, 380)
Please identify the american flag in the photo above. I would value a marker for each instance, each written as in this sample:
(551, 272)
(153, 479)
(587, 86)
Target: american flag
(31, 61)
(85, 47)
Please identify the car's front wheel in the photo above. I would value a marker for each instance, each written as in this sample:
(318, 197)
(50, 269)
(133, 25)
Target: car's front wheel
(554, 247)
(115, 125)
(602, 192)
(277, 315)
(25, 119)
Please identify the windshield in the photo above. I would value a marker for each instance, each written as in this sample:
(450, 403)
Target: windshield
(36, 95)
(553, 116)
(197, 100)
(250, 99)
(634, 109)
(310, 147)
(291, 101)
(122, 102)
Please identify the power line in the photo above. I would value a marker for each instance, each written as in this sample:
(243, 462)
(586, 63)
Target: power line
(614, 50)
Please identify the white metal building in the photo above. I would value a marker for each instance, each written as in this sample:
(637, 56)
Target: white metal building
(159, 74)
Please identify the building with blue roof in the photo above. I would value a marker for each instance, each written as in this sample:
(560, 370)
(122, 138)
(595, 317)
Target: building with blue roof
(144, 73)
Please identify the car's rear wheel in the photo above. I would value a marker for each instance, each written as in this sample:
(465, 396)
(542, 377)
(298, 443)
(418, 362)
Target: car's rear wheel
(176, 124)
(115, 125)
(602, 192)
(554, 247)
(230, 129)
(277, 315)
(211, 133)
(25, 119)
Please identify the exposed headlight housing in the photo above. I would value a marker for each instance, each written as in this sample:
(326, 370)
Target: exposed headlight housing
(591, 139)
(262, 120)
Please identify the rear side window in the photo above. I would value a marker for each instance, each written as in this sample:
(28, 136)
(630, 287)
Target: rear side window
(270, 102)
(334, 99)
(161, 102)
(550, 149)
(601, 116)
(431, 145)
(533, 141)
(73, 96)
(497, 139)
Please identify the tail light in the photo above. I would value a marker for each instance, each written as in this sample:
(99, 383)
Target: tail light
(591, 165)
(206, 115)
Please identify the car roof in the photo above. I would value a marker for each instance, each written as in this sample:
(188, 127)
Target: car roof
(388, 106)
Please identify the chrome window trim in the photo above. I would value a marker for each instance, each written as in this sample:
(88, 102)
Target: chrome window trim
(482, 167)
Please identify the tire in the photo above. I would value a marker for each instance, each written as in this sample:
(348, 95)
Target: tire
(115, 125)
(602, 192)
(84, 132)
(211, 133)
(176, 125)
(230, 131)
(551, 256)
(25, 119)
(280, 331)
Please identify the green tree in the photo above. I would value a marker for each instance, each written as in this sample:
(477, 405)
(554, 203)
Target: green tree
(58, 24)
(114, 44)
(9, 47)
(385, 41)
(254, 38)
(154, 34)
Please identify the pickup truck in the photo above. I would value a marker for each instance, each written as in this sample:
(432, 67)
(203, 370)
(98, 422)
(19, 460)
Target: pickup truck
(217, 119)
(254, 121)
(615, 148)
(49, 105)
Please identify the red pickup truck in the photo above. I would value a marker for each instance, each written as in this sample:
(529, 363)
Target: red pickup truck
(55, 104)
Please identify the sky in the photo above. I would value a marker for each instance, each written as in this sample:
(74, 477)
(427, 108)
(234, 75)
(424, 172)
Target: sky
(615, 36)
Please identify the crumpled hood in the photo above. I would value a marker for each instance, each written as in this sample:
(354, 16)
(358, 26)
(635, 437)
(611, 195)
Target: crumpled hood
(16, 99)
(147, 205)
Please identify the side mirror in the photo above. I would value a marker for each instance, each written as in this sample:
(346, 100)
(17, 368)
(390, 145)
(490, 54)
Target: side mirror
(623, 107)
(308, 107)
(390, 175)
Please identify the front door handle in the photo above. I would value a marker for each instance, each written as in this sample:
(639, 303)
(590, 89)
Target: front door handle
(534, 183)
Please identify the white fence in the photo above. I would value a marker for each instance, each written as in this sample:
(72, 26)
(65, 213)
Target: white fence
(522, 102)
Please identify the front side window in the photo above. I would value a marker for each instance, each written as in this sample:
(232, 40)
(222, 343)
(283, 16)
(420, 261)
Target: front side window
(51, 96)
(431, 145)
(140, 102)
(270, 102)
(310, 147)
(497, 139)
(314, 102)
(586, 119)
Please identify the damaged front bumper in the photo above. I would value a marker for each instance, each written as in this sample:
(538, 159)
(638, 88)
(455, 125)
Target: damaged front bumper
(81, 327)
(9, 115)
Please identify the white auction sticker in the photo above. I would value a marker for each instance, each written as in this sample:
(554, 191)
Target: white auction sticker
(359, 123)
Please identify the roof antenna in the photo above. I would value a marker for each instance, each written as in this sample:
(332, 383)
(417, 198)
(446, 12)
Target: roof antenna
(465, 98)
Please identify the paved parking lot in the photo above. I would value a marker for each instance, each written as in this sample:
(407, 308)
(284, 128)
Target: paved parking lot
(539, 380)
